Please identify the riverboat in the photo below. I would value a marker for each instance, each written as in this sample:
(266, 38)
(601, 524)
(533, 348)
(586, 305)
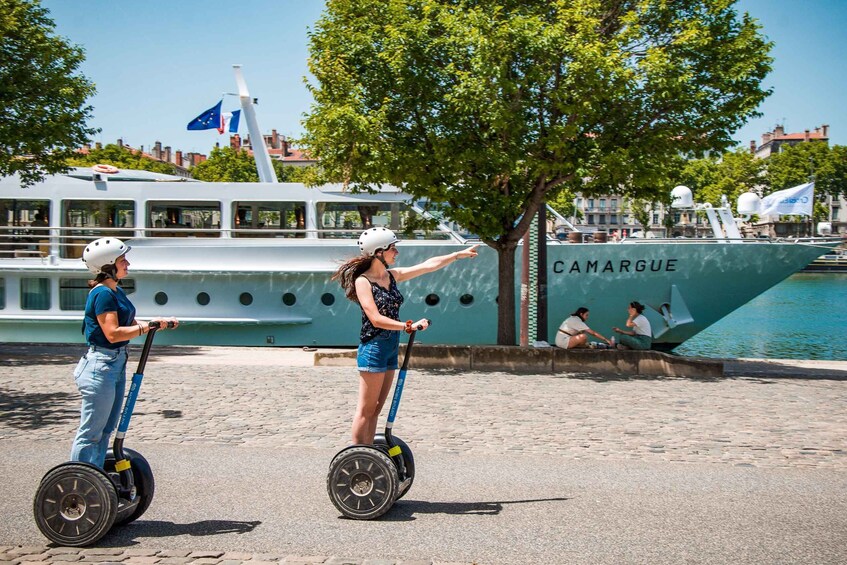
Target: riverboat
(249, 264)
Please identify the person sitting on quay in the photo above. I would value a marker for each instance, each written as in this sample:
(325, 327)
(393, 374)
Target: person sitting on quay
(574, 331)
(641, 334)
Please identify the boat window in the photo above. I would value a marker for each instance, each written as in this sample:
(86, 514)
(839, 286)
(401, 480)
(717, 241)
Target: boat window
(161, 298)
(183, 219)
(73, 293)
(23, 227)
(269, 219)
(86, 220)
(343, 220)
(35, 294)
(203, 298)
(289, 299)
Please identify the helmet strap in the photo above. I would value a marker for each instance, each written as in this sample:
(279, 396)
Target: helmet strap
(381, 256)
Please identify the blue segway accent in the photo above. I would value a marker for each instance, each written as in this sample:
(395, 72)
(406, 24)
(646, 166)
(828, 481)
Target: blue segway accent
(129, 405)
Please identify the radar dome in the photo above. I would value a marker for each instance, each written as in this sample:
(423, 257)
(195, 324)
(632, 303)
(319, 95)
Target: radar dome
(824, 228)
(749, 203)
(682, 198)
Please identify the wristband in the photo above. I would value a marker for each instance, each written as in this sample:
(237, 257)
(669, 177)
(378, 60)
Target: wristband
(408, 326)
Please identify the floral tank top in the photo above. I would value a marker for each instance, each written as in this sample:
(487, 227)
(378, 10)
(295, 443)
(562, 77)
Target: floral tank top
(387, 302)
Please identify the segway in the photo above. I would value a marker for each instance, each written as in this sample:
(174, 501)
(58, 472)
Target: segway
(77, 503)
(364, 481)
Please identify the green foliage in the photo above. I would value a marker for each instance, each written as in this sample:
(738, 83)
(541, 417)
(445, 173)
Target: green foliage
(804, 162)
(122, 158)
(227, 165)
(41, 95)
(498, 105)
(731, 174)
(289, 173)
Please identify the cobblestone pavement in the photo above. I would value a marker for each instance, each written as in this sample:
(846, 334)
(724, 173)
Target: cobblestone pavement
(741, 420)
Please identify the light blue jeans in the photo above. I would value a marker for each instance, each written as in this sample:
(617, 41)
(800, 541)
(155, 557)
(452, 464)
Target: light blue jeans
(101, 379)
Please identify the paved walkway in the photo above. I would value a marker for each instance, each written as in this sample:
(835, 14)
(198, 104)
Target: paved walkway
(794, 416)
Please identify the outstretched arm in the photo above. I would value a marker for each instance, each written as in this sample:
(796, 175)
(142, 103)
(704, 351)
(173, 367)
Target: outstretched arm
(432, 264)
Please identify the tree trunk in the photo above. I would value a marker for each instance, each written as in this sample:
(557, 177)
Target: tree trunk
(506, 297)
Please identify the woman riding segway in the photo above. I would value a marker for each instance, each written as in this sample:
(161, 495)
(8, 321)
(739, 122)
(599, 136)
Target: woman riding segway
(366, 478)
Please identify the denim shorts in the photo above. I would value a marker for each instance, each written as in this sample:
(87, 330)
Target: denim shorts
(380, 353)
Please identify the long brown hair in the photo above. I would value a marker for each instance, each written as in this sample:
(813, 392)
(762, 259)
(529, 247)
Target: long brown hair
(347, 274)
(106, 272)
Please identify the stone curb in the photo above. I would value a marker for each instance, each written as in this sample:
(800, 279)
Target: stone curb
(514, 359)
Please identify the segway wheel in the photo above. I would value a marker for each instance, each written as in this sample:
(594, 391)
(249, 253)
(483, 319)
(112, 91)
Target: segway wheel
(142, 476)
(362, 482)
(75, 504)
(408, 461)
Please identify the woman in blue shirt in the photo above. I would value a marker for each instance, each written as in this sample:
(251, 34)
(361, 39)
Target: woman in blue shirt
(109, 324)
(371, 280)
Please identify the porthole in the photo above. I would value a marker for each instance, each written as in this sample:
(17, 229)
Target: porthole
(466, 299)
(246, 298)
(328, 299)
(203, 298)
(161, 298)
(432, 299)
(289, 299)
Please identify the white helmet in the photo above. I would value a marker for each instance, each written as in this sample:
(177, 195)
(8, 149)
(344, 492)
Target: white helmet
(102, 252)
(376, 239)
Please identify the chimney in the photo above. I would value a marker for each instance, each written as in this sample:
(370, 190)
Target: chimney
(779, 131)
(157, 150)
(274, 139)
(285, 151)
(825, 129)
(141, 150)
(120, 143)
(235, 142)
(179, 158)
(753, 146)
(98, 145)
(167, 157)
(806, 135)
(766, 137)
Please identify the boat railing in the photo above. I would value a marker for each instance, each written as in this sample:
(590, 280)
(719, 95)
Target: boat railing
(69, 242)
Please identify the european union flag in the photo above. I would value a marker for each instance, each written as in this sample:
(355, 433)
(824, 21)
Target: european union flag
(210, 119)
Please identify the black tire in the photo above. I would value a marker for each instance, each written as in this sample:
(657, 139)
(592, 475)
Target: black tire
(408, 460)
(75, 504)
(142, 476)
(362, 482)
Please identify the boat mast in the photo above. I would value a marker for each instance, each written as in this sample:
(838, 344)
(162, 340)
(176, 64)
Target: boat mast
(257, 140)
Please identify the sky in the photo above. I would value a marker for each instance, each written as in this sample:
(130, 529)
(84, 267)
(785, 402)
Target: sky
(158, 65)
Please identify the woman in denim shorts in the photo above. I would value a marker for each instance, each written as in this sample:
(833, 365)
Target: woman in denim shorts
(108, 325)
(371, 280)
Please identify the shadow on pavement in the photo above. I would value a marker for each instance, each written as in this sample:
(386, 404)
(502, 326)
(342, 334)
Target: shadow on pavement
(18, 355)
(31, 411)
(122, 536)
(405, 510)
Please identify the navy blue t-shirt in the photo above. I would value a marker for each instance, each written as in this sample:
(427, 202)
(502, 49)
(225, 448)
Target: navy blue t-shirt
(103, 299)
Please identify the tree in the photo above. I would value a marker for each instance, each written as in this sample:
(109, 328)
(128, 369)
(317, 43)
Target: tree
(497, 105)
(730, 175)
(122, 158)
(804, 162)
(225, 164)
(41, 95)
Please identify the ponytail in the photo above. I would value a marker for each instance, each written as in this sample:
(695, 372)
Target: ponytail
(347, 274)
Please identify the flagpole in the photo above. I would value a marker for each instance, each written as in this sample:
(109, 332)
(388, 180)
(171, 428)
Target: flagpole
(257, 140)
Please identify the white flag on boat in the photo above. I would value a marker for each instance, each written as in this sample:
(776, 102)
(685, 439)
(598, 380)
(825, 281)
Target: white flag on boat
(797, 200)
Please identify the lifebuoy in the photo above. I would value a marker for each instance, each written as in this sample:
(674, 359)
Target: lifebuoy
(105, 169)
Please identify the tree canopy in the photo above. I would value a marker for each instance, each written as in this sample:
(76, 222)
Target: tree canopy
(497, 105)
(225, 164)
(42, 97)
(120, 157)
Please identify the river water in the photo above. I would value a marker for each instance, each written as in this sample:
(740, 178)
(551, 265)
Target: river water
(803, 317)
